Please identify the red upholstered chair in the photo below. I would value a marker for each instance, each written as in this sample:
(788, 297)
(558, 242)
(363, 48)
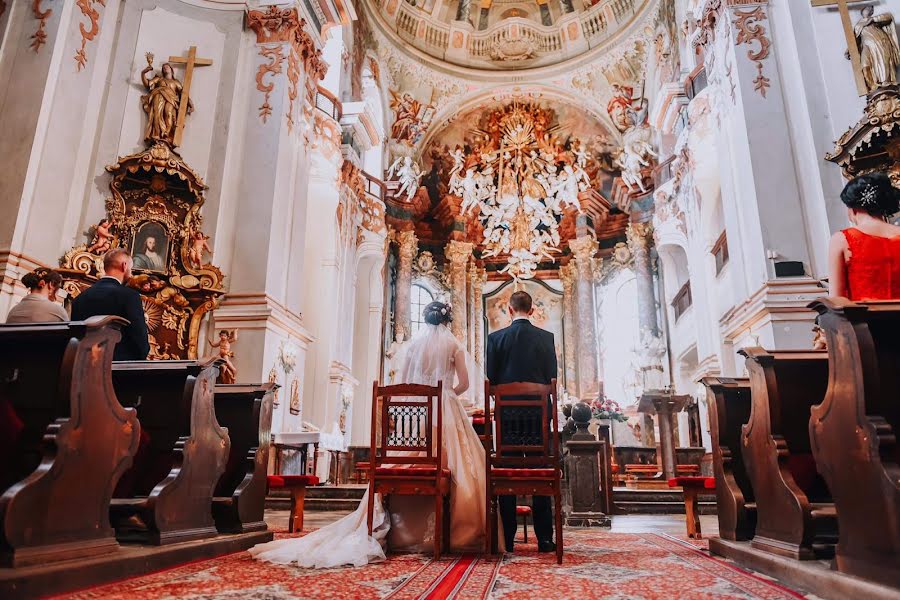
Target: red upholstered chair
(406, 451)
(692, 486)
(525, 459)
(297, 484)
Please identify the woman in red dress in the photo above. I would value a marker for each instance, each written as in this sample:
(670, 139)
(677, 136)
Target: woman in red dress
(864, 260)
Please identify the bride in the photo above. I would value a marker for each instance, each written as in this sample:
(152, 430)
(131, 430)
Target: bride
(433, 355)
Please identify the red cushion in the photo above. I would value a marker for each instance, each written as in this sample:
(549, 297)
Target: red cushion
(708, 483)
(523, 473)
(280, 481)
(523, 510)
(411, 471)
(615, 468)
(477, 420)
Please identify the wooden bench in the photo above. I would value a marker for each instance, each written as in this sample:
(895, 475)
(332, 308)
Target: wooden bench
(240, 495)
(64, 440)
(854, 434)
(794, 508)
(691, 488)
(182, 455)
(729, 401)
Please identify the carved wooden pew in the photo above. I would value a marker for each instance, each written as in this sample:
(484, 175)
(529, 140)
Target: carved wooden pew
(166, 496)
(854, 434)
(729, 410)
(64, 440)
(240, 495)
(794, 509)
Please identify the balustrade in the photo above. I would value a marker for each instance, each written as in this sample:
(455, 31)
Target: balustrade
(598, 23)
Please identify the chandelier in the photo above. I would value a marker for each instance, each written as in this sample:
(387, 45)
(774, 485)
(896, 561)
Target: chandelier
(520, 180)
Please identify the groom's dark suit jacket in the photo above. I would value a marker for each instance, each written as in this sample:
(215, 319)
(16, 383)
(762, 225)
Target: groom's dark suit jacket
(521, 353)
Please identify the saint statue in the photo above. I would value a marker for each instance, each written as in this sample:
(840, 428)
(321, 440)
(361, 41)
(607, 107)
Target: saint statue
(161, 104)
(878, 49)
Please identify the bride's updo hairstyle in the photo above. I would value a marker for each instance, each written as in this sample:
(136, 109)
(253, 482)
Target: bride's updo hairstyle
(874, 194)
(437, 313)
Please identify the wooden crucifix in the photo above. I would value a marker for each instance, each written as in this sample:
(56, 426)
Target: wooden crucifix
(189, 62)
(843, 7)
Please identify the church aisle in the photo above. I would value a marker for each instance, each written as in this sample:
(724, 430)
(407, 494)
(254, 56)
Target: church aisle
(628, 562)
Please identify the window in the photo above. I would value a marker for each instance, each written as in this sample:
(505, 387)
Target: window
(720, 252)
(682, 300)
(420, 298)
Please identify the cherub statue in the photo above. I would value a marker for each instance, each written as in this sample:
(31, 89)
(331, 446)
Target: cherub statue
(459, 158)
(468, 188)
(227, 337)
(819, 341)
(103, 238)
(408, 174)
(199, 245)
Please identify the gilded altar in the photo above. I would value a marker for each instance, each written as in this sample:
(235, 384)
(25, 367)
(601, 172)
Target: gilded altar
(153, 211)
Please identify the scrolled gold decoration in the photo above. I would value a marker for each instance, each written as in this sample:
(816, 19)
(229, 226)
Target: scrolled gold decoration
(749, 30)
(87, 35)
(273, 67)
(39, 37)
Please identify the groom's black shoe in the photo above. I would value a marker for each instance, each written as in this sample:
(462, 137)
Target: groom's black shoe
(546, 547)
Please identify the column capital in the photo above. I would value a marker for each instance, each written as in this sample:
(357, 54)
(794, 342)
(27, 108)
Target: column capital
(408, 244)
(568, 274)
(458, 253)
(639, 235)
(584, 248)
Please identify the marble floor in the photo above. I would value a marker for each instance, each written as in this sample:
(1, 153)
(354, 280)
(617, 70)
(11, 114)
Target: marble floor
(671, 524)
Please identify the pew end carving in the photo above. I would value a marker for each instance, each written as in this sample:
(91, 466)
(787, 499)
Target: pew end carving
(795, 512)
(729, 409)
(182, 455)
(854, 434)
(66, 440)
(240, 495)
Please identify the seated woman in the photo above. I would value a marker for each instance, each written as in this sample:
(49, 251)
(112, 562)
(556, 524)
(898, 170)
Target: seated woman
(864, 260)
(40, 305)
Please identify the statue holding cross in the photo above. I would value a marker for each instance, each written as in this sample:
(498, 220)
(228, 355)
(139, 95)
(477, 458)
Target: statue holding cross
(871, 45)
(168, 100)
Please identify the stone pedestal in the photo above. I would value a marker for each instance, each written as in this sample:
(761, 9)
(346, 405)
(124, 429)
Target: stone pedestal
(583, 464)
(664, 404)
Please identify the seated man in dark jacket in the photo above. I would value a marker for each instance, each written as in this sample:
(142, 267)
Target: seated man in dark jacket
(109, 296)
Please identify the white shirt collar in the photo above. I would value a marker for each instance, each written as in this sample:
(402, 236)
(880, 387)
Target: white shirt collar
(521, 319)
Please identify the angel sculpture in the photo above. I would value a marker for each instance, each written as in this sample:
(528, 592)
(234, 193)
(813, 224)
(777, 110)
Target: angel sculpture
(199, 245)
(103, 238)
(634, 157)
(566, 189)
(459, 159)
(408, 174)
(228, 372)
(581, 155)
(468, 188)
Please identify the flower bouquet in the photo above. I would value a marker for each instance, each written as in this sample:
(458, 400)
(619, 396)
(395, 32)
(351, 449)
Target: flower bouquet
(605, 408)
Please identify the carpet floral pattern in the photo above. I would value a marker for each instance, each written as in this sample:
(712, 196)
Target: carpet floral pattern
(598, 564)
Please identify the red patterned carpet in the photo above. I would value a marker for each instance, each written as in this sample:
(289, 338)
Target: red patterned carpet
(598, 564)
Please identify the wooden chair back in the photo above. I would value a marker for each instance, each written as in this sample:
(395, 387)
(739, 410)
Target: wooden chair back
(406, 418)
(521, 428)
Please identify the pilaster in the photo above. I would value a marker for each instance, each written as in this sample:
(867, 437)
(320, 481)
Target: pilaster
(459, 253)
(584, 248)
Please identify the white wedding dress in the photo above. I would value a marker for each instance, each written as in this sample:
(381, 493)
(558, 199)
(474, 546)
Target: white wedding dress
(429, 358)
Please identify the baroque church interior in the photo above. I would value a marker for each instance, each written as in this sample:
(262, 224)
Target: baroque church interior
(294, 184)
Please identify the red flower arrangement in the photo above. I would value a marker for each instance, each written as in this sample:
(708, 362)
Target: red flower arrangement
(606, 408)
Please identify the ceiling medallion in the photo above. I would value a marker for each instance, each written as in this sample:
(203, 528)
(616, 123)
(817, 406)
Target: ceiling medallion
(521, 179)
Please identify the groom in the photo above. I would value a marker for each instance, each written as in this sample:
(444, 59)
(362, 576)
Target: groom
(523, 353)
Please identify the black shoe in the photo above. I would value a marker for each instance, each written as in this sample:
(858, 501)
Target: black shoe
(546, 547)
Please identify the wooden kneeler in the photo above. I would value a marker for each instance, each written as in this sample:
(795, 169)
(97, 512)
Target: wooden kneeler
(692, 486)
(297, 485)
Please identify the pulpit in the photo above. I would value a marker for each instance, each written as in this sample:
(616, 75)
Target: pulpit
(664, 404)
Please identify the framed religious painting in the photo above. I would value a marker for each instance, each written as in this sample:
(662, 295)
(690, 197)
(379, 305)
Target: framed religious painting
(150, 247)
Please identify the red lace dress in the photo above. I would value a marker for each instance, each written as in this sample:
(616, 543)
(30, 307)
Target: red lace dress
(873, 271)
